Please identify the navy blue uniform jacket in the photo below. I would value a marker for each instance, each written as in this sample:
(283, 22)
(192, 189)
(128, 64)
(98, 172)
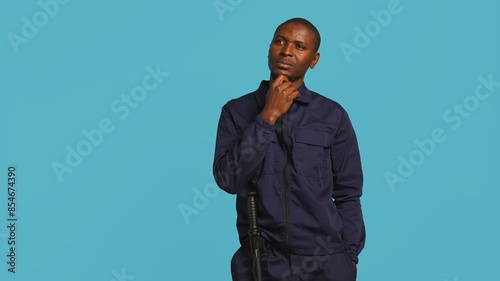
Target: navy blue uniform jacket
(305, 168)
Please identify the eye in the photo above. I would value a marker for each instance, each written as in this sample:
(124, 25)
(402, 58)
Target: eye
(279, 41)
(300, 47)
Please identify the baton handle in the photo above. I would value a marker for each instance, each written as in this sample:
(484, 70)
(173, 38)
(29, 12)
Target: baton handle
(252, 212)
(254, 236)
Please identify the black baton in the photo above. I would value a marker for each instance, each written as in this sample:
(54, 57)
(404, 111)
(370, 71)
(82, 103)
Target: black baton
(254, 236)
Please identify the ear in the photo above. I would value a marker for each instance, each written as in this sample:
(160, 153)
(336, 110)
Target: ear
(315, 60)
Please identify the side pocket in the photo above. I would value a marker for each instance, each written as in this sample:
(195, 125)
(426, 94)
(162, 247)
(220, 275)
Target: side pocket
(350, 266)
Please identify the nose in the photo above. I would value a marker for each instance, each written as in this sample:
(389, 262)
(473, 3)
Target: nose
(286, 50)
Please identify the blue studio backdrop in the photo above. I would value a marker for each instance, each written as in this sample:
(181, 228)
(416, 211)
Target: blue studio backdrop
(109, 112)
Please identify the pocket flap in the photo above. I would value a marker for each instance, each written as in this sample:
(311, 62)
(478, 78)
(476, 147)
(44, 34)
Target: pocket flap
(314, 137)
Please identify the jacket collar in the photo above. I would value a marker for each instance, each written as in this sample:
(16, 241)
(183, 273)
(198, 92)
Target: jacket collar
(260, 94)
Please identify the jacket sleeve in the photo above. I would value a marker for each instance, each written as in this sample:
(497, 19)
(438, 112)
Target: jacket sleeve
(240, 149)
(348, 184)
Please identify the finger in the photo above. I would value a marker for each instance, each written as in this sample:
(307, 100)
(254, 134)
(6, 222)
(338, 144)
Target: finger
(282, 89)
(290, 96)
(295, 94)
(280, 79)
(287, 89)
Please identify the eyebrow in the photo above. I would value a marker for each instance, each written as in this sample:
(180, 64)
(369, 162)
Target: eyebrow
(295, 41)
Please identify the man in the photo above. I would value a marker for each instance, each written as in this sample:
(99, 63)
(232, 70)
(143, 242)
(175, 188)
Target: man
(297, 150)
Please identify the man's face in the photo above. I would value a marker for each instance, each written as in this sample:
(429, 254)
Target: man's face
(292, 52)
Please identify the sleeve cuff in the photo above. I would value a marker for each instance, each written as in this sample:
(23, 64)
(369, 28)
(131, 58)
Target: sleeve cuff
(264, 124)
(353, 255)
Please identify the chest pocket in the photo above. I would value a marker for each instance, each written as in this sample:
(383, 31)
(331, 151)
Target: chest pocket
(312, 152)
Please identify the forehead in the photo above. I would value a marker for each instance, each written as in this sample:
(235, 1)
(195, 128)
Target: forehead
(295, 31)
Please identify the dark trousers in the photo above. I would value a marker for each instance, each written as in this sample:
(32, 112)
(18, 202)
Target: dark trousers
(280, 266)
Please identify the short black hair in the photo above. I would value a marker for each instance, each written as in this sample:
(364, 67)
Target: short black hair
(307, 24)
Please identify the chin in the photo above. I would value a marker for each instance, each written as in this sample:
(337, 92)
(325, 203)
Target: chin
(281, 72)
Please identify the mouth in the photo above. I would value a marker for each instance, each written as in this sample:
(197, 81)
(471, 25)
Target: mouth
(284, 64)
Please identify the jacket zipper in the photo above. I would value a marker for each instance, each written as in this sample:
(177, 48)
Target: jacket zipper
(287, 207)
